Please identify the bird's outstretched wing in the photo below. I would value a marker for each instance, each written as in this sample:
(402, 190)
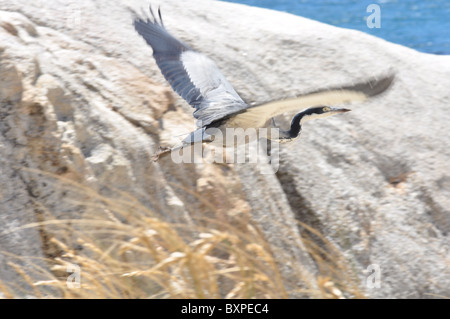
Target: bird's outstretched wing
(195, 77)
(258, 115)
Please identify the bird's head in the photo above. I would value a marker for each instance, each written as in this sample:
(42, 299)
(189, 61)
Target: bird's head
(320, 112)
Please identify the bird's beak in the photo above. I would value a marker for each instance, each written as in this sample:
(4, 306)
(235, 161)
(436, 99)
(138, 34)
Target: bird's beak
(336, 110)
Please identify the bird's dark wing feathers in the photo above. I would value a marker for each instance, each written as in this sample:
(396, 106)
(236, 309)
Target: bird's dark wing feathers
(167, 51)
(195, 77)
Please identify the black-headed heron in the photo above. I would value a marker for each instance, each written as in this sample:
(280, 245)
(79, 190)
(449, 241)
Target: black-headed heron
(198, 80)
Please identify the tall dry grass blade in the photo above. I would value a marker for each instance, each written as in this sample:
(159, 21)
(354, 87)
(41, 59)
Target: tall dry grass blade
(27, 278)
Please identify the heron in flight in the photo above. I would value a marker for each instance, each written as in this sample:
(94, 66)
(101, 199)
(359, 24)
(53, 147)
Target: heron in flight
(198, 80)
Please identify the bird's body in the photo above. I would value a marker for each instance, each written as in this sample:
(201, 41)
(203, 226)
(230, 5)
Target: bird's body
(218, 107)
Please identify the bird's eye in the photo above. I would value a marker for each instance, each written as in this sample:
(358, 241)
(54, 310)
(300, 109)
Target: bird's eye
(326, 109)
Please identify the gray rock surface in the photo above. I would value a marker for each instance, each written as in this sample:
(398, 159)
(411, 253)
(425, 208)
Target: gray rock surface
(82, 98)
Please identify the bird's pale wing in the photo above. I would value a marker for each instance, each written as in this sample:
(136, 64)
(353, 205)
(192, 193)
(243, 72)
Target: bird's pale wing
(195, 77)
(257, 116)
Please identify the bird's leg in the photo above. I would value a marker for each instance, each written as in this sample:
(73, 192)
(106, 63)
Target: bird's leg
(163, 151)
(160, 153)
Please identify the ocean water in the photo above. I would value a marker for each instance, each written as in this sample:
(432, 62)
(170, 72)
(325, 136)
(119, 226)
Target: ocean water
(421, 25)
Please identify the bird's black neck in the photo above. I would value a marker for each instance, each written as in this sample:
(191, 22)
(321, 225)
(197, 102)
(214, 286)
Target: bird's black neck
(295, 125)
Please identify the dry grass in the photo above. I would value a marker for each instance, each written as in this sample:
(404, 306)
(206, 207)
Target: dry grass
(125, 250)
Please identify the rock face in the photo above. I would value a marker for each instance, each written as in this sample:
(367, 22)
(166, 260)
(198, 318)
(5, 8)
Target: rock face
(82, 98)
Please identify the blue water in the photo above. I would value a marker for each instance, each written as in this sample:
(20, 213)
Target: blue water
(421, 25)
